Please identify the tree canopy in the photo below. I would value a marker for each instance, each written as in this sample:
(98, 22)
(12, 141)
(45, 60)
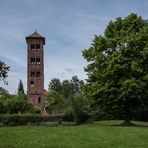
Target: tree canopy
(3, 71)
(66, 98)
(55, 85)
(118, 67)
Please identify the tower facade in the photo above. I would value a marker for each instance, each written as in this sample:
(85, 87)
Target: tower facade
(35, 69)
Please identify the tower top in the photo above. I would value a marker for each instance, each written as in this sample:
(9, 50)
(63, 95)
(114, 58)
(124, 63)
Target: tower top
(35, 35)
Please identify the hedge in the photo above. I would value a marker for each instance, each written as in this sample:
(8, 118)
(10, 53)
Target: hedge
(26, 119)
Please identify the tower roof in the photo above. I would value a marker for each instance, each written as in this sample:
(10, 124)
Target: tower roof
(35, 35)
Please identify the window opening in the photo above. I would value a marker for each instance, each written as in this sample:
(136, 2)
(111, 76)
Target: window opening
(37, 60)
(32, 74)
(38, 46)
(38, 74)
(39, 99)
(31, 82)
(32, 46)
(32, 60)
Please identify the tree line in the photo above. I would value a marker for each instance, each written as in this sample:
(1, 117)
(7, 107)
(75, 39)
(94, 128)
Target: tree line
(117, 83)
(68, 99)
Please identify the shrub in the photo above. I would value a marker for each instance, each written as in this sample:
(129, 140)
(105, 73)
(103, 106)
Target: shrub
(68, 114)
(26, 119)
(2, 107)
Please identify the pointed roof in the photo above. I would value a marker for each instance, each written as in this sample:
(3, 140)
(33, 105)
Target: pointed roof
(35, 35)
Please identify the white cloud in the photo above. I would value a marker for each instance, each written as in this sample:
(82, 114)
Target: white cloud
(68, 26)
(14, 59)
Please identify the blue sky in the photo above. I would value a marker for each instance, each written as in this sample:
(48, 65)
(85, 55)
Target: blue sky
(68, 26)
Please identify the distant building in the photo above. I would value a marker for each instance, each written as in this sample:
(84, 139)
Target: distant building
(35, 69)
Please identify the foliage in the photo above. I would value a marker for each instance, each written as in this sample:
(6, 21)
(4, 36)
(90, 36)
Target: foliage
(66, 87)
(68, 114)
(67, 90)
(77, 85)
(15, 106)
(55, 103)
(20, 92)
(118, 67)
(2, 107)
(55, 85)
(25, 119)
(3, 91)
(81, 108)
(67, 98)
(3, 71)
(10, 104)
(21, 87)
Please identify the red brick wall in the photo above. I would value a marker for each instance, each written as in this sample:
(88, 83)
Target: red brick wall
(35, 91)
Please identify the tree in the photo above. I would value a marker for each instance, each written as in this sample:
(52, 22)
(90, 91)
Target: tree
(72, 87)
(67, 89)
(2, 90)
(67, 99)
(12, 105)
(4, 94)
(81, 108)
(15, 106)
(3, 71)
(55, 103)
(118, 67)
(2, 107)
(77, 85)
(20, 91)
(55, 85)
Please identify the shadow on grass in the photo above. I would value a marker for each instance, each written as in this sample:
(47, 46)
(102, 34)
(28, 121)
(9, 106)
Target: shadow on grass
(130, 124)
(125, 124)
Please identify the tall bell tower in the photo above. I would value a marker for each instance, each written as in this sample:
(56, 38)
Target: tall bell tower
(35, 69)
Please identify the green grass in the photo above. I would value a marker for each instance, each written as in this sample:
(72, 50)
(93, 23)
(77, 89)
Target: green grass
(103, 134)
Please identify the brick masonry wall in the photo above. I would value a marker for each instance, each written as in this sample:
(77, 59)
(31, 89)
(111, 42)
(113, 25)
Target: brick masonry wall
(35, 91)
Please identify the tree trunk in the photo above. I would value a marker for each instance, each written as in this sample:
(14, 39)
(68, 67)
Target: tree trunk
(127, 118)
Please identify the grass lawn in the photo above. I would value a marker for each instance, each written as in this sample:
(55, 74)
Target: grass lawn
(103, 134)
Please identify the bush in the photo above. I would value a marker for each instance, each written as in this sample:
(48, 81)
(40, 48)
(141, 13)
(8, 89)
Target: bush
(68, 115)
(26, 119)
(81, 107)
(15, 106)
(2, 107)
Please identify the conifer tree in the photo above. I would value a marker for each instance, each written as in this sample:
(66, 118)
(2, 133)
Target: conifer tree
(20, 91)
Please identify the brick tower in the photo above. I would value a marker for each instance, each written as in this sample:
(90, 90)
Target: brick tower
(35, 69)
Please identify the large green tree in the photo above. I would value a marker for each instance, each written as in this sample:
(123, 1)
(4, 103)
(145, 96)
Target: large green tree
(118, 67)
